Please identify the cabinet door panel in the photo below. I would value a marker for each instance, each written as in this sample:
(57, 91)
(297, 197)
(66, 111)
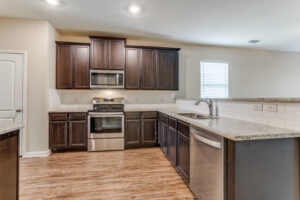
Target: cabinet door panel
(147, 69)
(159, 133)
(165, 134)
(149, 132)
(132, 69)
(173, 145)
(116, 54)
(77, 134)
(81, 67)
(58, 137)
(64, 67)
(132, 133)
(167, 69)
(99, 54)
(184, 155)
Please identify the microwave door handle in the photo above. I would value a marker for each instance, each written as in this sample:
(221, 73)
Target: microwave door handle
(117, 81)
(209, 142)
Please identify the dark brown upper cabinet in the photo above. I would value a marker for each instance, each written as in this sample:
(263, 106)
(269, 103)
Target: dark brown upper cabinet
(72, 65)
(167, 70)
(151, 68)
(132, 68)
(147, 69)
(107, 53)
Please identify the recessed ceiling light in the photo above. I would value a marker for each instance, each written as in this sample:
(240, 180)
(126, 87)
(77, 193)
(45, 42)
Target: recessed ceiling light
(254, 41)
(134, 9)
(53, 2)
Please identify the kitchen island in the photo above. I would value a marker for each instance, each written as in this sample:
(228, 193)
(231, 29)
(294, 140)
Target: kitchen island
(232, 159)
(9, 161)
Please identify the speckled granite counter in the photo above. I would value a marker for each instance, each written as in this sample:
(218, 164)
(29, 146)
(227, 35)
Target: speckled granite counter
(10, 128)
(233, 129)
(70, 108)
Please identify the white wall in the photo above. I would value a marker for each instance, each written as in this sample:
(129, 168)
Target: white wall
(287, 115)
(32, 36)
(252, 73)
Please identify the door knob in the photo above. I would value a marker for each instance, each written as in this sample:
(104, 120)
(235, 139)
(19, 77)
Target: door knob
(19, 110)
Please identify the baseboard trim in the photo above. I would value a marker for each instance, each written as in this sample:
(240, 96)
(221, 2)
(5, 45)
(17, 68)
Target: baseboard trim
(36, 154)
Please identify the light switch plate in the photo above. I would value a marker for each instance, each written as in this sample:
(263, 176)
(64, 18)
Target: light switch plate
(258, 107)
(271, 107)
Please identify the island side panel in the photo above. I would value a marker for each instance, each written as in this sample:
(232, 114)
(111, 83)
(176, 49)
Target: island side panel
(9, 166)
(267, 169)
(229, 184)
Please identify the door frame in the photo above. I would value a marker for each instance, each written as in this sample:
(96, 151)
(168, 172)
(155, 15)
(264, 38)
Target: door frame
(23, 135)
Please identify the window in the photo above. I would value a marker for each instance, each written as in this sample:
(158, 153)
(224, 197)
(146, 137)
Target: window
(214, 80)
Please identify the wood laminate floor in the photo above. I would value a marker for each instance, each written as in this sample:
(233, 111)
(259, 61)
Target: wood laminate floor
(131, 174)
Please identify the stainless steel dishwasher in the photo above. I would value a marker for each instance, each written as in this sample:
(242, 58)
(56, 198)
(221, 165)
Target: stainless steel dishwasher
(206, 164)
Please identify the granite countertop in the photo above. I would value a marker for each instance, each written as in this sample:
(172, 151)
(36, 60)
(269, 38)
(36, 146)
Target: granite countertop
(10, 128)
(70, 108)
(233, 129)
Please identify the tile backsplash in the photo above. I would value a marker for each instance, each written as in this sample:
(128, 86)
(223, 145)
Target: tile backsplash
(287, 115)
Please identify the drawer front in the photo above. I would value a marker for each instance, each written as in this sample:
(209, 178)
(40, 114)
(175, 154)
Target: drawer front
(173, 122)
(58, 117)
(164, 118)
(149, 115)
(184, 128)
(133, 115)
(77, 116)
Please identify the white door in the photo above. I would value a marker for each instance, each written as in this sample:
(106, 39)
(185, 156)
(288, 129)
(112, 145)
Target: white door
(11, 89)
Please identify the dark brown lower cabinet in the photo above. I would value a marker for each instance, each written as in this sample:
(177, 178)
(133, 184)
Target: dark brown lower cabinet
(67, 131)
(9, 166)
(183, 157)
(140, 129)
(173, 145)
(165, 135)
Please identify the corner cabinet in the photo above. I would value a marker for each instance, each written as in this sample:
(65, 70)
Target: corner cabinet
(67, 131)
(72, 65)
(107, 53)
(140, 129)
(151, 68)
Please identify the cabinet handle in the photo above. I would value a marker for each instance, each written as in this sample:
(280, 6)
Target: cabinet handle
(209, 142)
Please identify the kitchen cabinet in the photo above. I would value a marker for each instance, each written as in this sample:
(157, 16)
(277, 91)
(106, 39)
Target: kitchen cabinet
(167, 70)
(159, 130)
(72, 65)
(183, 157)
(9, 166)
(140, 129)
(151, 68)
(172, 155)
(67, 131)
(165, 135)
(107, 53)
(132, 68)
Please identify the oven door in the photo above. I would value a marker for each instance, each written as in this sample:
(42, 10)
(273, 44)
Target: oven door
(105, 125)
(107, 79)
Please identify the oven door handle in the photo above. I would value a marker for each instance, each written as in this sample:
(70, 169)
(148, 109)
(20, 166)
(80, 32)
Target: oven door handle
(106, 115)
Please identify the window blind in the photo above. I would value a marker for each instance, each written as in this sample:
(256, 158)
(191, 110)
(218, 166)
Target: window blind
(214, 80)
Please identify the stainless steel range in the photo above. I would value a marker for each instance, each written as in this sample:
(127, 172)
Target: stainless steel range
(106, 125)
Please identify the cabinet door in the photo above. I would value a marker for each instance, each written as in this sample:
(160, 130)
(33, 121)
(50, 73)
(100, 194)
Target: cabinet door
(173, 145)
(78, 134)
(147, 69)
(159, 133)
(58, 134)
(81, 67)
(116, 54)
(167, 69)
(149, 133)
(64, 67)
(9, 166)
(165, 134)
(184, 155)
(132, 133)
(132, 69)
(99, 54)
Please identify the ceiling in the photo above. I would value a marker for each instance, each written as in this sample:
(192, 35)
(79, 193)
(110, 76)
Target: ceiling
(215, 22)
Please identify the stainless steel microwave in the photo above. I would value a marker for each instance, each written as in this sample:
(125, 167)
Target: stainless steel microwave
(107, 79)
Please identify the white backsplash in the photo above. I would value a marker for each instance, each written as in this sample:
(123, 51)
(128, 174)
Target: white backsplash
(287, 116)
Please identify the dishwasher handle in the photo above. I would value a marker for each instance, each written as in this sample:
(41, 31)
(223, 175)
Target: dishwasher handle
(209, 142)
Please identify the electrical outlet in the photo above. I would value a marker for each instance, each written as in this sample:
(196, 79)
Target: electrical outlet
(271, 107)
(258, 107)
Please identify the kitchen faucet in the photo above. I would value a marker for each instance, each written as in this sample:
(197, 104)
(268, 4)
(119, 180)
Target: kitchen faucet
(209, 103)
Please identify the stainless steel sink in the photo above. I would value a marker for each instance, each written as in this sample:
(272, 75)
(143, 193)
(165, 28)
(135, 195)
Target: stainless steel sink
(196, 116)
